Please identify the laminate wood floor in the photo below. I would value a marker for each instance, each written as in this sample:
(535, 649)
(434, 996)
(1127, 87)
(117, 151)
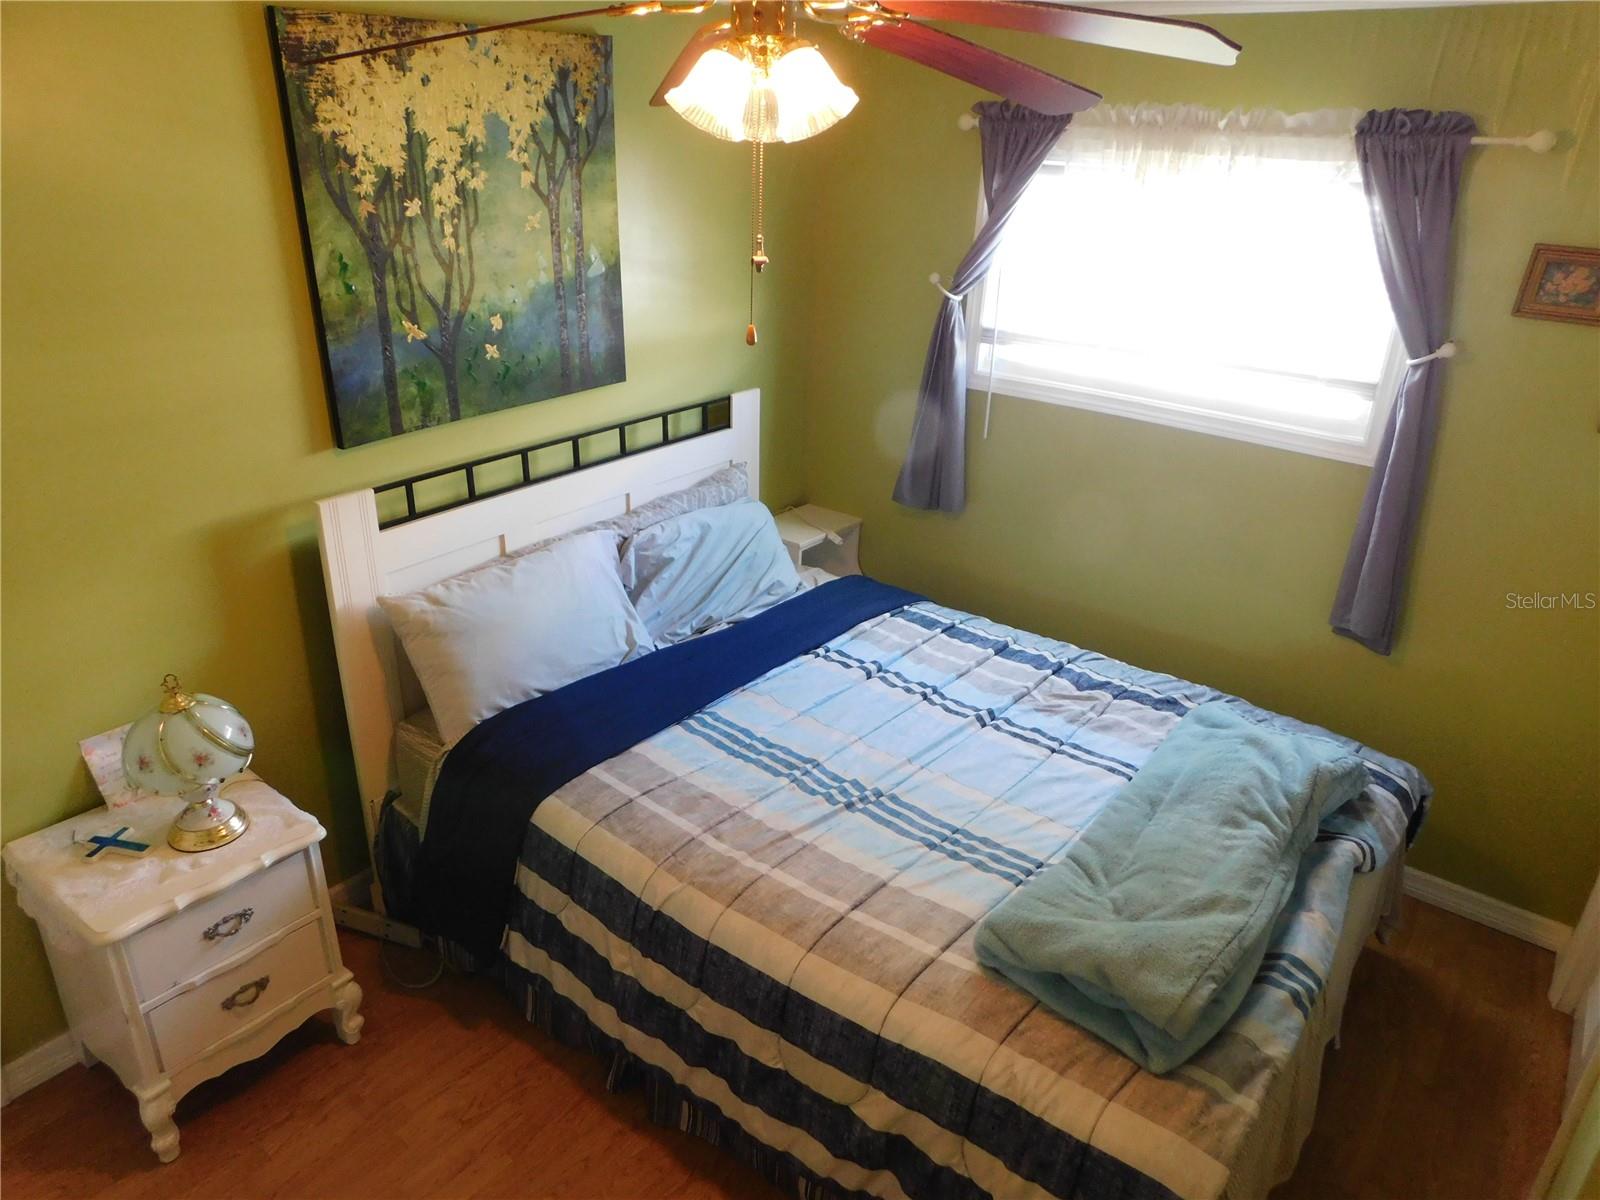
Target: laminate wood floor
(1448, 1087)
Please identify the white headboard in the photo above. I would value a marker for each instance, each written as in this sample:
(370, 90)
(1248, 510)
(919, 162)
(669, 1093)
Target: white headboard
(361, 562)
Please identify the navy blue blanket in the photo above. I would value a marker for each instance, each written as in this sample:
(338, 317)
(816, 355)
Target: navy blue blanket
(495, 777)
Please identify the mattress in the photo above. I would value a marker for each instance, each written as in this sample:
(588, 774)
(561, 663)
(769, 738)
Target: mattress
(765, 910)
(418, 755)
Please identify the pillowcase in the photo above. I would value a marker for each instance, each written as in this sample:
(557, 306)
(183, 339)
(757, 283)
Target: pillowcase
(722, 486)
(727, 485)
(504, 633)
(691, 572)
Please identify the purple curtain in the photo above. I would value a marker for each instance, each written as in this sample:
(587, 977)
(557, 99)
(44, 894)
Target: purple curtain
(1411, 163)
(1015, 142)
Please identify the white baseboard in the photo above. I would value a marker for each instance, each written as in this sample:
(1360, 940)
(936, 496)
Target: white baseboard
(355, 892)
(352, 906)
(1496, 914)
(28, 1071)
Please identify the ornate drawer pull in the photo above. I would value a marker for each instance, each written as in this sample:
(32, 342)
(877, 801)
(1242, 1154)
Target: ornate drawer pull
(229, 925)
(254, 989)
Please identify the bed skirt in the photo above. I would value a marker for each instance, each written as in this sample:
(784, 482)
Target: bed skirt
(670, 1103)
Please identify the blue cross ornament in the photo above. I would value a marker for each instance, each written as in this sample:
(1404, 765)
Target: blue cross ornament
(115, 841)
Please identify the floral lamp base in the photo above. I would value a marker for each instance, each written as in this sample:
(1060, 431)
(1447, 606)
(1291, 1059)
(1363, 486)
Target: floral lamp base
(206, 824)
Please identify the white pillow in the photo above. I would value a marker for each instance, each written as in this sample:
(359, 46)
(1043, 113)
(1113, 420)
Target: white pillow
(692, 572)
(497, 636)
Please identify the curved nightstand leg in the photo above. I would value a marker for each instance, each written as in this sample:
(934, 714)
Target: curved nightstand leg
(346, 1020)
(155, 1110)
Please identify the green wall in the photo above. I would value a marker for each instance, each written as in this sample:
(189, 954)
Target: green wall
(1217, 560)
(165, 428)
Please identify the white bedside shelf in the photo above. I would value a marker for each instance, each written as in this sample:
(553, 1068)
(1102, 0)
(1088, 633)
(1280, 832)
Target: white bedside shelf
(174, 967)
(820, 537)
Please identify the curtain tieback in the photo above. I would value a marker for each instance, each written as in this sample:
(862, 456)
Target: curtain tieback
(938, 281)
(1445, 350)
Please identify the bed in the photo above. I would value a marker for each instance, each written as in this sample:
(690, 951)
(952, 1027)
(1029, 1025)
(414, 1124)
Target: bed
(758, 899)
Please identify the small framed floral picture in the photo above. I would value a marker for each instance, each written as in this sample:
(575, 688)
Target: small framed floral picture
(1562, 284)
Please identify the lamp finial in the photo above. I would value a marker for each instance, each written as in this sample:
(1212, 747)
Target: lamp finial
(176, 699)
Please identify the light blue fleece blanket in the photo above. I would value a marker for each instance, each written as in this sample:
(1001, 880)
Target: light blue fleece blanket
(1150, 930)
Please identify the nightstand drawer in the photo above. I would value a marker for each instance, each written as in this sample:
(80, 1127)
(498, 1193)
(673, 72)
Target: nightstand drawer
(188, 1024)
(195, 940)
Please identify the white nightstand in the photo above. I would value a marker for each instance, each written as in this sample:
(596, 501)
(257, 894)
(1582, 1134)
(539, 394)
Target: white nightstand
(174, 967)
(819, 537)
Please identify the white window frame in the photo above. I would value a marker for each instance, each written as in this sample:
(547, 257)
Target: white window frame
(1174, 409)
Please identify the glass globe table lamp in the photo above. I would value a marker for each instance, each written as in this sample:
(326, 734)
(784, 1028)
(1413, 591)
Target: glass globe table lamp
(187, 747)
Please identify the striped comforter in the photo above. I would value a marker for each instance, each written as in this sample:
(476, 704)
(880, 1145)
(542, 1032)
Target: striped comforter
(768, 909)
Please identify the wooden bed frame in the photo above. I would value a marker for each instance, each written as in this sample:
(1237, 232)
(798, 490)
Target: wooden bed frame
(363, 558)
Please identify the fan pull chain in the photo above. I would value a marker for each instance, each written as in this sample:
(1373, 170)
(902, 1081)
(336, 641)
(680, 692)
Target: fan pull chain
(758, 237)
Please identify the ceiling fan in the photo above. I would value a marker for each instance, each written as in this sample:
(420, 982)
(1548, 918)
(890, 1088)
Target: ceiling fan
(753, 78)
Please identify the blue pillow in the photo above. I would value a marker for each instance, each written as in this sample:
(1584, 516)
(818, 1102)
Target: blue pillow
(697, 570)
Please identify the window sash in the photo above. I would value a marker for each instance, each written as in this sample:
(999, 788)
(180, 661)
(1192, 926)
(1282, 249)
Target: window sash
(1180, 411)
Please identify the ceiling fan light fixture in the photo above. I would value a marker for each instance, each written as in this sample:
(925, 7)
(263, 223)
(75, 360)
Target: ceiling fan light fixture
(783, 93)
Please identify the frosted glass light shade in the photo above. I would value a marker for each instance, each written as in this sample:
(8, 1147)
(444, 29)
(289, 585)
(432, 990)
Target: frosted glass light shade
(809, 96)
(173, 753)
(730, 97)
(713, 94)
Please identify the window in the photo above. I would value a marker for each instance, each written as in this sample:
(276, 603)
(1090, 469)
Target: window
(1194, 269)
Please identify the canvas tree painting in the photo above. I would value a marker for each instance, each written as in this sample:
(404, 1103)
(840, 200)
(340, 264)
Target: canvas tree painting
(459, 207)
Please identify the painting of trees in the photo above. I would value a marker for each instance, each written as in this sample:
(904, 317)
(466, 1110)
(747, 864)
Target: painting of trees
(553, 143)
(586, 100)
(474, 180)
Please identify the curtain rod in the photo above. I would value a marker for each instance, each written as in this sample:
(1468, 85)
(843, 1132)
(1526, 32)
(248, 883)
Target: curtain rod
(1539, 143)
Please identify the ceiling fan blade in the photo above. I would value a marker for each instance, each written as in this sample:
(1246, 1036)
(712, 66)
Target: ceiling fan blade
(978, 65)
(1124, 31)
(702, 41)
(640, 9)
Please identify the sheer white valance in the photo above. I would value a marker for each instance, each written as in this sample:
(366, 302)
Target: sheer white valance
(1166, 137)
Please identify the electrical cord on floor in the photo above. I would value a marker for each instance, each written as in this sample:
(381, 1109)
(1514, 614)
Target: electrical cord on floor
(437, 944)
(397, 977)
